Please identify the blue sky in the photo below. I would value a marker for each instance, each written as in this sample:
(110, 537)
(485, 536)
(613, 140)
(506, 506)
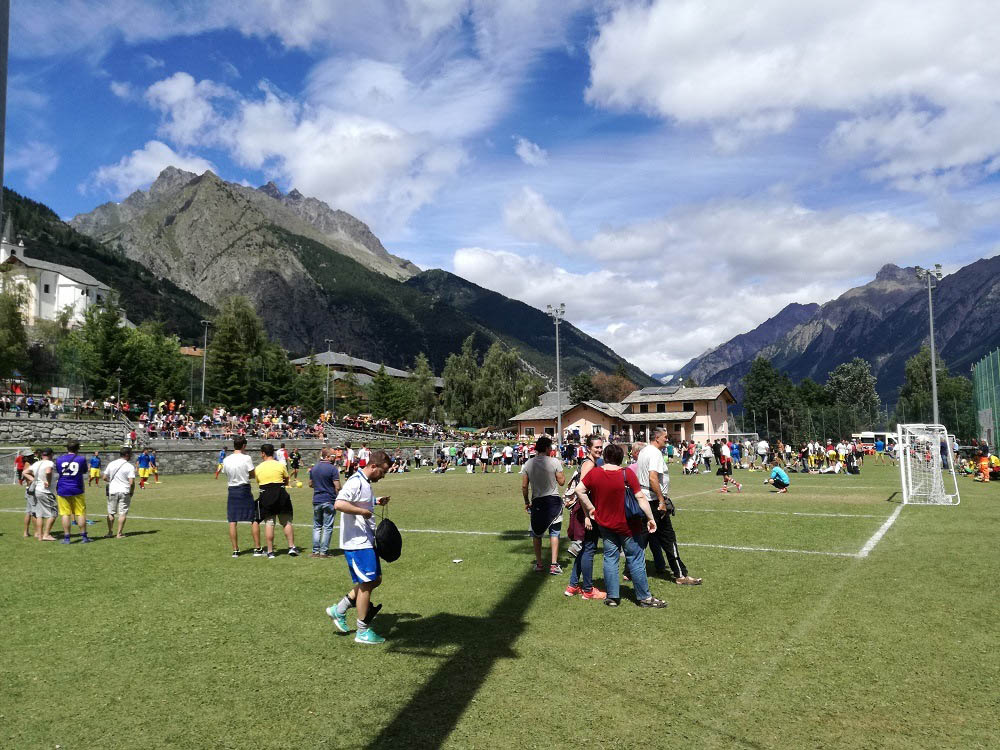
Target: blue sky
(675, 171)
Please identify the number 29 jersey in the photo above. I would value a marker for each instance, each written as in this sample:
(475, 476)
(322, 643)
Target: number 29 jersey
(71, 469)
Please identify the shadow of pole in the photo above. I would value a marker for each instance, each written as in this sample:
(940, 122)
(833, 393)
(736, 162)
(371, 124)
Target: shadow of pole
(434, 710)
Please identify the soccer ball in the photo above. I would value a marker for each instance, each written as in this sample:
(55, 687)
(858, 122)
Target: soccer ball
(298, 484)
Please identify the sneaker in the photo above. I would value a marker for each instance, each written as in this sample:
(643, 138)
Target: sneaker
(368, 636)
(65, 540)
(258, 552)
(652, 603)
(723, 489)
(739, 487)
(595, 594)
(609, 602)
(85, 539)
(236, 553)
(315, 554)
(574, 549)
(572, 590)
(270, 555)
(782, 490)
(293, 551)
(538, 567)
(555, 569)
(339, 621)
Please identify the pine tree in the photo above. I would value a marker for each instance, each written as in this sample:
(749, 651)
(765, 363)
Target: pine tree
(105, 339)
(424, 393)
(226, 376)
(581, 388)
(460, 374)
(497, 388)
(381, 394)
(348, 393)
(310, 388)
(13, 336)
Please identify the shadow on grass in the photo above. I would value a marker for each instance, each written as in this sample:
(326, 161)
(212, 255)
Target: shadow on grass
(890, 498)
(435, 709)
(125, 535)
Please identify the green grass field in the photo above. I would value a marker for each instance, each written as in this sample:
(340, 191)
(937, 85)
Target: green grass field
(794, 641)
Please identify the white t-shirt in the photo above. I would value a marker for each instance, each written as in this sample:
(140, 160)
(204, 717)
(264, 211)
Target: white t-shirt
(350, 456)
(724, 450)
(364, 455)
(357, 532)
(651, 459)
(281, 455)
(119, 476)
(762, 447)
(38, 471)
(541, 471)
(508, 451)
(238, 467)
(470, 453)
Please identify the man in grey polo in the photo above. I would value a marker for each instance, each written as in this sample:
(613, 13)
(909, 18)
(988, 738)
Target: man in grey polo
(119, 479)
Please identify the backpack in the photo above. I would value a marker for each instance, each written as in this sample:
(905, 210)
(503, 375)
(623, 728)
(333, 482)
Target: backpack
(388, 542)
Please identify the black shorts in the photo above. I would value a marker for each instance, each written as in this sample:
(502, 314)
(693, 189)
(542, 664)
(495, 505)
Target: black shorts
(240, 506)
(274, 500)
(508, 460)
(544, 512)
(726, 468)
(779, 484)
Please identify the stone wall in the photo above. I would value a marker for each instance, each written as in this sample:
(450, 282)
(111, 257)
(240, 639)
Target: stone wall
(55, 432)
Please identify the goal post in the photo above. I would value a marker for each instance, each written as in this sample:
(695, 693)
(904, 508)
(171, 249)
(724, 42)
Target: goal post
(924, 468)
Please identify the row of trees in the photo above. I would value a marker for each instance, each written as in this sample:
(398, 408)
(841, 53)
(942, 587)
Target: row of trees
(848, 401)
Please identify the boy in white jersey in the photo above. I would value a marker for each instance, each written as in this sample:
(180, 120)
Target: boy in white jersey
(356, 502)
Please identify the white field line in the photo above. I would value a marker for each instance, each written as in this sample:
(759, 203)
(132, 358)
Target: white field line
(493, 533)
(779, 513)
(877, 536)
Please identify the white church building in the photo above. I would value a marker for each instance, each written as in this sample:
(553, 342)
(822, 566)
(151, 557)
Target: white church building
(51, 287)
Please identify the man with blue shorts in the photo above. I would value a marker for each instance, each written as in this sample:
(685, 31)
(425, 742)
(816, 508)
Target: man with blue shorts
(356, 502)
(240, 504)
(543, 476)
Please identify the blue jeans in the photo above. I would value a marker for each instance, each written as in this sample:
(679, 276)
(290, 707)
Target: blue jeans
(635, 559)
(583, 565)
(323, 515)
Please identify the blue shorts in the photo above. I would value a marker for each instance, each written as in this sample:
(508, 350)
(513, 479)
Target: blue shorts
(363, 564)
(546, 516)
(240, 505)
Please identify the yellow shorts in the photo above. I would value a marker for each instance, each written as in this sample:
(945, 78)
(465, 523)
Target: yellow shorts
(95, 473)
(74, 505)
(143, 473)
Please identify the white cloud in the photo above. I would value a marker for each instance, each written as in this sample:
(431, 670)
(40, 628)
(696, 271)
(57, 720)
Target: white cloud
(35, 159)
(698, 275)
(531, 153)
(529, 217)
(190, 115)
(122, 89)
(916, 78)
(152, 63)
(142, 166)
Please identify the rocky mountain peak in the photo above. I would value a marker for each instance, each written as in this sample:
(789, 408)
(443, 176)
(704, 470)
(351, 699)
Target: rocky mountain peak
(892, 272)
(169, 180)
(272, 190)
(295, 195)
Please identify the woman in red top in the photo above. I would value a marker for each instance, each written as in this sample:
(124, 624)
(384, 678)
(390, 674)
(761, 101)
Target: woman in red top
(602, 492)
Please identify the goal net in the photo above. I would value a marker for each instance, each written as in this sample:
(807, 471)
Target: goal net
(926, 464)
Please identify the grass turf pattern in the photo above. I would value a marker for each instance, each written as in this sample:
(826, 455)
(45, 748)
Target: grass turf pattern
(162, 640)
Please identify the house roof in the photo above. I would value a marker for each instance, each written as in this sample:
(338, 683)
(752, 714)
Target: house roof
(662, 416)
(549, 398)
(339, 359)
(537, 413)
(664, 393)
(74, 274)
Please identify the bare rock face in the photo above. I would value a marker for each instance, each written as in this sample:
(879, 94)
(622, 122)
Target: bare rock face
(133, 222)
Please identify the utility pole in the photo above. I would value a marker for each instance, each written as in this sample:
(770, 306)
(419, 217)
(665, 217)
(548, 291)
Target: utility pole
(326, 397)
(204, 358)
(557, 314)
(4, 40)
(932, 276)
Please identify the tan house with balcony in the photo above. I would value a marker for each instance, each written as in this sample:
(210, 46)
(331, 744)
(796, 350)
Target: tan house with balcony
(687, 413)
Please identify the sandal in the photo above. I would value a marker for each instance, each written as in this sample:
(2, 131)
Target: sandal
(611, 602)
(687, 581)
(652, 603)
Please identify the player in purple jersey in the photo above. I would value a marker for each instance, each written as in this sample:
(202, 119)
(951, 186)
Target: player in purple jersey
(71, 468)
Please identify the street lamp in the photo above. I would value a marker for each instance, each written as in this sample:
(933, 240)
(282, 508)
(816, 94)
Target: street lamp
(557, 314)
(118, 398)
(932, 276)
(326, 396)
(204, 356)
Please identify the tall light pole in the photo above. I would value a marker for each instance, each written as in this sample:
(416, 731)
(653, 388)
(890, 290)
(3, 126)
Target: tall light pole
(932, 276)
(118, 398)
(328, 342)
(204, 358)
(557, 314)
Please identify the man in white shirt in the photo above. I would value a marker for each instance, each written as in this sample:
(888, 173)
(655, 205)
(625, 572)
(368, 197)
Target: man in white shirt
(470, 454)
(239, 469)
(349, 463)
(508, 458)
(356, 502)
(726, 466)
(42, 505)
(762, 450)
(119, 478)
(651, 471)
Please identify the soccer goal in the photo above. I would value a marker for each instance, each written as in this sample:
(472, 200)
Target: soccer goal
(926, 458)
